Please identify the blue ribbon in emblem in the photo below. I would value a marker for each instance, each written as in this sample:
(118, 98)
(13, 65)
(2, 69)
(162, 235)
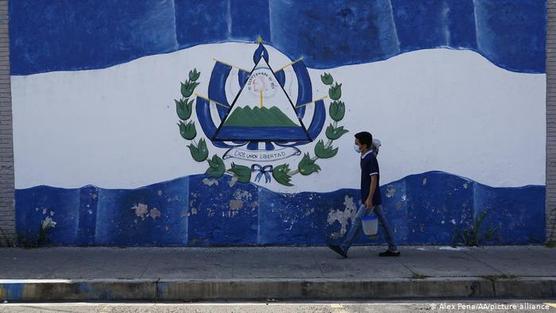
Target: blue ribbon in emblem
(262, 170)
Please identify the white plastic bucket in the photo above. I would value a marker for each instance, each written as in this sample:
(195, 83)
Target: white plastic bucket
(370, 224)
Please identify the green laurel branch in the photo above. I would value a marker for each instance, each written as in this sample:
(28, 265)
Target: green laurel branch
(323, 149)
(199, 150)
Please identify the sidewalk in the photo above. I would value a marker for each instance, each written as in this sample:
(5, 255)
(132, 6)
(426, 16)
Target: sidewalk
(263, 273)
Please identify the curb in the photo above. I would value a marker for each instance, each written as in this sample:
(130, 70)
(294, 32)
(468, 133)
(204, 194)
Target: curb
(276, 289)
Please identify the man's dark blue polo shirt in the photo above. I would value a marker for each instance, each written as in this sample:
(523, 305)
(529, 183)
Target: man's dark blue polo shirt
(369, 167)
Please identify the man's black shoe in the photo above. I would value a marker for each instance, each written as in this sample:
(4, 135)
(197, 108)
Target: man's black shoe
(338, 250)
(389, 253)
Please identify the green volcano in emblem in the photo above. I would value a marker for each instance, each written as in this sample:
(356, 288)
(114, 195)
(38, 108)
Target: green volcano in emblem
(259, 117)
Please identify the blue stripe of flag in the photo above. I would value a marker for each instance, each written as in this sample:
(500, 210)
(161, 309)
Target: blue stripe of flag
(88, 34)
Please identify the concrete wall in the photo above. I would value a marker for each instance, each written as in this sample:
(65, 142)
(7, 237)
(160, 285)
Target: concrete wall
(99, 159)
(7, 212)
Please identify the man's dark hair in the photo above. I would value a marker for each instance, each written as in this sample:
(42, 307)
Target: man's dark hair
(365, 138)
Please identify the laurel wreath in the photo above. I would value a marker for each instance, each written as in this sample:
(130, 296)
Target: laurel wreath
(281, 173)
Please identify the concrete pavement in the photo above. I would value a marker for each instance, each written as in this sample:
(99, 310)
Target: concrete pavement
(259, 273)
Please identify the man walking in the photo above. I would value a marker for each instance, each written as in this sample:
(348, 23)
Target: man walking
(370, 196)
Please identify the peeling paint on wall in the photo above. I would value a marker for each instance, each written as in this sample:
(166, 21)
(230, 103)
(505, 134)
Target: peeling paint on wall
(202, 215)
(342, 216)
(140, 210)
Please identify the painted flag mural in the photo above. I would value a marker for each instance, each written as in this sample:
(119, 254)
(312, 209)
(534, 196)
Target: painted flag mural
(210, 123)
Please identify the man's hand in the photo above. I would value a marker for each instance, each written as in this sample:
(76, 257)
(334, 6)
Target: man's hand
(369, 203)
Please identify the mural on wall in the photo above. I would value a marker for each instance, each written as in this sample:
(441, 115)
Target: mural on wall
(261, 125)
(266, 98)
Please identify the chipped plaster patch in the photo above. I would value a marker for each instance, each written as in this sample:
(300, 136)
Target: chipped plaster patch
(390, 191)
(236, 204)
(45, 211)
(210, 181)
(309, 212)
(233, 181)
(140, 209)
(210, 212)
(342, 216)
(174, 198)
(154, 213)
(243, 195)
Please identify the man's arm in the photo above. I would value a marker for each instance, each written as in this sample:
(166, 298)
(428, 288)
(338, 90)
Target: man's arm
(369, 202)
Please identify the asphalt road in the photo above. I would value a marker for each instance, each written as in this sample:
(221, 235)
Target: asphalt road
(283, 307)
